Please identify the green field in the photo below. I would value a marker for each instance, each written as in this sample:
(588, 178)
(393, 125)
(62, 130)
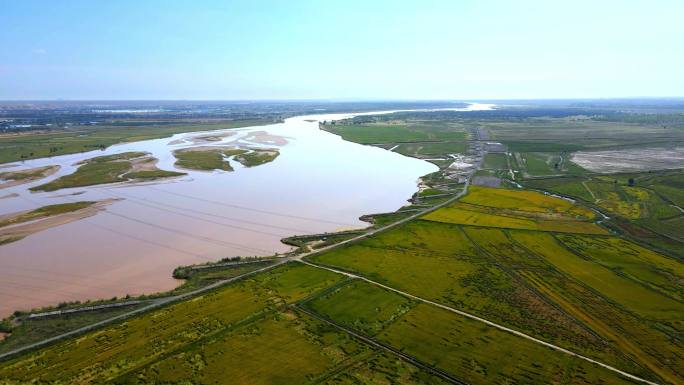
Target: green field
(398, 132)
(361, 306)
(30, 331)
(535, 164)
(631, 295)
(31, 146)
(382, 369)
(215, 158)
(621, 308)
(427, 149)
(547, 134)
(496, 161)
(257, 157)
(464, 214)
(410, 137)
(205, 159)
(475, 353)
(517, 209)
(645, 205)
(632, 261)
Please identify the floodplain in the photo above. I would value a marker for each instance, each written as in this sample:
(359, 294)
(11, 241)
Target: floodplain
(547, 278)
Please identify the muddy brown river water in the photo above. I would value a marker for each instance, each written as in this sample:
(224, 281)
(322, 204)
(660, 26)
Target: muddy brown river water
(318, 183)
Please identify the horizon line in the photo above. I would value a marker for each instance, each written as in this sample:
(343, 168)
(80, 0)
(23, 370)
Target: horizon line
(351, 99)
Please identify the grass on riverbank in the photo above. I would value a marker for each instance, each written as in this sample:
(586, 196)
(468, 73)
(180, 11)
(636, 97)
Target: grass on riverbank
(13, 178)
(108, 169)
(45, 211)
(256, 157)
(216, 158)
(206, 158)
(397, 132)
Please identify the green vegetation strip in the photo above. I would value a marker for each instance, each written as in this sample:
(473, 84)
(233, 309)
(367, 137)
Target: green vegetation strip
(106, 169)
(206, 159)
(46, 211)
(215, 158)
(33, 146)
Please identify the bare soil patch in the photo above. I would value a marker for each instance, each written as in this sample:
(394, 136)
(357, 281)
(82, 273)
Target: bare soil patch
(21, 230)
(628, 160)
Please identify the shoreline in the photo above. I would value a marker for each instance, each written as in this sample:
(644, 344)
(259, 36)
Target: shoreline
(416, 187)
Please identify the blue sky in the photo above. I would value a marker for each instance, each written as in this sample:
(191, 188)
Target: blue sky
(483, 49)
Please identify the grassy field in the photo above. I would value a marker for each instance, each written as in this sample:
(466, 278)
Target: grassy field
(398, 132)
(439, 262)
(411, 137)
(484, 355)
(427, 149)
(206, 159)
(31, 146)
(496, 161)
(361, 306)
(283, 348)
(535, 164)
(517, 209)
(645, 205)
(464, 214)
(257, 157)
(382, 369)
(631, 261)
(469, 350)
(620, 304)
(546, 134)
(46, 211)
(106, 169)
(9, 178)
(625, 292)
(529, 201)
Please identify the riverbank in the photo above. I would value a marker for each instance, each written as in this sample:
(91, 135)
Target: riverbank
(202, 216)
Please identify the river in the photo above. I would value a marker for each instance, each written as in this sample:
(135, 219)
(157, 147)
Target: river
(318, 183)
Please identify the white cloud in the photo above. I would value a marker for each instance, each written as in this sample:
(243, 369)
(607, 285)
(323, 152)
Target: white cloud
(39, 51)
